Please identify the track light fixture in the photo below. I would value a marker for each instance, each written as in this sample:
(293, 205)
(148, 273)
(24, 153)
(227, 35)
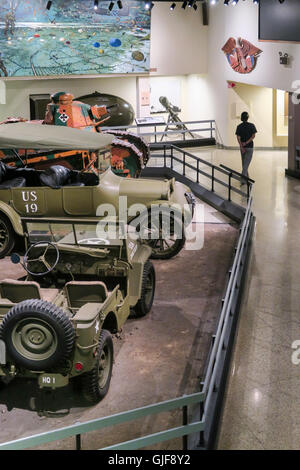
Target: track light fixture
(48, 6)
(281, 1)
(96, 4)
(190, 3)
(111, 5)
(184, 4)
(235, 2)
(149, 5)
(172, 6)
(195, 6)
(119, 3)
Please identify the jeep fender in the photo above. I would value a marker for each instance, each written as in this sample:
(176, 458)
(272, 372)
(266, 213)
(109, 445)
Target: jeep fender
(12, 215)
(136, 274)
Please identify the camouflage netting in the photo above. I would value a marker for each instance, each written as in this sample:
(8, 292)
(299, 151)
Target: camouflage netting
(138, 145)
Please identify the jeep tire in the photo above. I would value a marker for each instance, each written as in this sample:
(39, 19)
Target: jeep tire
(164, 247)
(145, 302)
(95, 383)
(7, 236)
(38, 335)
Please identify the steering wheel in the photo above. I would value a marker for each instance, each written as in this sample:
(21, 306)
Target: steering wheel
(93, 241)
(41, 258)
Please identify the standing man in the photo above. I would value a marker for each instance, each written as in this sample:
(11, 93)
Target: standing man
(245, 133)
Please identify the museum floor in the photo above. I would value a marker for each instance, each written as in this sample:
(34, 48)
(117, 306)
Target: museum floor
(262, 403)
(262, 407)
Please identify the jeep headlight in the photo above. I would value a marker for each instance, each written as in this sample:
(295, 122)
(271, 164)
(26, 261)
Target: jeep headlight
(191, 200)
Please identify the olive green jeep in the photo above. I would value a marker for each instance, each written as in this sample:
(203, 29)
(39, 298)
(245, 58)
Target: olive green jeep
(83, 280)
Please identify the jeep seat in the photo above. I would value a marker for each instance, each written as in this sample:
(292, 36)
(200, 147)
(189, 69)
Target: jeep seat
(13, 183)
(80, 292)
(17, 291)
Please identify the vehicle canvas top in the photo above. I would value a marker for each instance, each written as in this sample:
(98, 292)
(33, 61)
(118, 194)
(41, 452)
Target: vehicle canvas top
(22, 135)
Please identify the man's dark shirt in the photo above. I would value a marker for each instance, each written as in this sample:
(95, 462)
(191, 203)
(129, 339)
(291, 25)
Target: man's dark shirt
(246, 130)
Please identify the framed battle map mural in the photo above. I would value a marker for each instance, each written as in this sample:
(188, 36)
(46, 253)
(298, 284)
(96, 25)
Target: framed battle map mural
(72, 38)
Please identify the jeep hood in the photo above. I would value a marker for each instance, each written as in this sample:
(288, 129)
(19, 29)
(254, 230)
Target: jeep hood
(142, 188)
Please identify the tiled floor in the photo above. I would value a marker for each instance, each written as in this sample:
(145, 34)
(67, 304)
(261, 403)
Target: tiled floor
(262, 403)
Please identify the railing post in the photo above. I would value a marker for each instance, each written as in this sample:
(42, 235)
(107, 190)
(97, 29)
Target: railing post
(201, 411)
(172, 157)
(197, 171)
(213, 178)
(78, 441)
(184, 423)
(165, 160)
(229, 186)
(183, 164)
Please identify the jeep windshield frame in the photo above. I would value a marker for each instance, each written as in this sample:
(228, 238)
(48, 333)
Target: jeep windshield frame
(90, 233)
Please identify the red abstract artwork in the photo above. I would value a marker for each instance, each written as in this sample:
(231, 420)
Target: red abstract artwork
(241, 55)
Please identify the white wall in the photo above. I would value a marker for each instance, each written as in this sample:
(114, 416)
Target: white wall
(191, 93)
(178, 41)
(198, 98)
(242, 21)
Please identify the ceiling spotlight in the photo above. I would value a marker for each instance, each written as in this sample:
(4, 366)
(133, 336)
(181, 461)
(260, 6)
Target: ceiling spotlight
(119, 3)
(190, 4)
(96, 4)
(256, 2)
(226, 2)
(111, 5)
(149, 5)
(172, 6)
(195, 6)
(213, 2)
(281, 1)
(234, 2)
(49, 5)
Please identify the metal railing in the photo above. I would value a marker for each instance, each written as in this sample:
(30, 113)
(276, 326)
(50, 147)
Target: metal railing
(211, 384)
(183, 128)
(173, 154)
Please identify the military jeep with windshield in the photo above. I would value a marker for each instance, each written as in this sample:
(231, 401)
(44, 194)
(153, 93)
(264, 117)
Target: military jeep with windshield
(83, 280)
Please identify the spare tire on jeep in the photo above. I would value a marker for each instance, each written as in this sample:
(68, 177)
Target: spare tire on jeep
(38, 335)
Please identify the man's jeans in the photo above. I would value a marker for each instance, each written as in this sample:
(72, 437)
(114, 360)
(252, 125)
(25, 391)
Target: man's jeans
(246, 160)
